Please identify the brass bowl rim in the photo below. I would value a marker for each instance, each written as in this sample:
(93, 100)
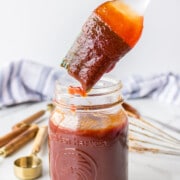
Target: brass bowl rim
(38, 164)
(28, 173)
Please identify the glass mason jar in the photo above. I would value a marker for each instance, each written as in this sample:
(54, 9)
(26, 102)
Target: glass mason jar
(88, 135)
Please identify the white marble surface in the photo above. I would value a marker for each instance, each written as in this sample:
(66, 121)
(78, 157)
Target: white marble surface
(141, 166)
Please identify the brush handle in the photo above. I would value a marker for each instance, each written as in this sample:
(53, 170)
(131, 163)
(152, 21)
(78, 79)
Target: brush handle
(40, 139)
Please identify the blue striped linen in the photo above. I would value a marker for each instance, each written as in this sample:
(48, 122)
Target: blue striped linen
(163, 87)
(27, 81)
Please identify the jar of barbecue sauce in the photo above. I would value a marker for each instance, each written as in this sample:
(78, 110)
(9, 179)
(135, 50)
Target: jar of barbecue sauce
(88, 134)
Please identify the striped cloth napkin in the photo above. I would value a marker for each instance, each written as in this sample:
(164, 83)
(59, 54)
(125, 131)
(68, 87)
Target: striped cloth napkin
(27, 81)
(162, 87)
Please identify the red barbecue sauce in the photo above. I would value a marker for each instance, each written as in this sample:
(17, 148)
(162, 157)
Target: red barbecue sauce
(108, 34)
(88, 153)
(77, 91)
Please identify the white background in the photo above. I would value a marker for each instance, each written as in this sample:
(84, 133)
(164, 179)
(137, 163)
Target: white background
(44, 30)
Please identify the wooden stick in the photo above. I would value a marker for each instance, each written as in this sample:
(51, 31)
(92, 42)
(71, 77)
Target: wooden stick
(34, 116)
(8, 137)
(19, 141)
(30, 119)
(39, 140)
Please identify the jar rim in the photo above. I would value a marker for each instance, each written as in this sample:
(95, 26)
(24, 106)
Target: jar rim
(105, 94)
(106, 85)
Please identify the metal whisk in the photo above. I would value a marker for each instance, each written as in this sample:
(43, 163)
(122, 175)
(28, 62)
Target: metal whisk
(145, 136)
